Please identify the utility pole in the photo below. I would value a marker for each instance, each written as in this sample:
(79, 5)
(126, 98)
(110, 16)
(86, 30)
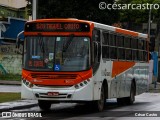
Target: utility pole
(149, 24)
(151, 65)
(34, 9)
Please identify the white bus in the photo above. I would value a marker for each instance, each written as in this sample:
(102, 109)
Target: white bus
(71, 60)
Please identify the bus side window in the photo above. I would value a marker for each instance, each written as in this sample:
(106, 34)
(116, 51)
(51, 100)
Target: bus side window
(141, 44)
(134, 43)
(121, 53)
(96, 35)
(145, 45)
(128, 54)
(134, 55)
(113, 52)
(105, 52)
(112, 39)
(140, 55)
(96, 46)
(105, 38)
(127, 42)
(145, 57)
(120, 41)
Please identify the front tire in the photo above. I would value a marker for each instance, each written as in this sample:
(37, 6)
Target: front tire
(44, 105)
(100, 104)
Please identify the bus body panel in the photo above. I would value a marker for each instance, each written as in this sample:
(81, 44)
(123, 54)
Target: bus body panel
(26, 92)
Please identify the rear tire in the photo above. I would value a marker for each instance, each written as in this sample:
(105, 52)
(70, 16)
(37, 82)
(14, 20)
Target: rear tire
(44, 105)
(130, 100)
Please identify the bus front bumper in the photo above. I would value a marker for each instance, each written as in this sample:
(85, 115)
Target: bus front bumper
(82, 93)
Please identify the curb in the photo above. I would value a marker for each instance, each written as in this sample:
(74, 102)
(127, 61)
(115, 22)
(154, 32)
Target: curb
(3, 82)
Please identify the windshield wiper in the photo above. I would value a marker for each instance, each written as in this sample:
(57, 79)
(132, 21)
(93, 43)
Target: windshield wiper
(41, 43)
(66, 46)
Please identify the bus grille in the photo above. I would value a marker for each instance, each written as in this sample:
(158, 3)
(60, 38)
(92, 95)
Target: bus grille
(55, 76)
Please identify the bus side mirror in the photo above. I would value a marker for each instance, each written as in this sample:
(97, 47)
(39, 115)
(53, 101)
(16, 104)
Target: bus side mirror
(18, 40)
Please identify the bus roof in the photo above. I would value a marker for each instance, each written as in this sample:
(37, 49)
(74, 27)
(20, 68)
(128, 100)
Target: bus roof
(120, 30)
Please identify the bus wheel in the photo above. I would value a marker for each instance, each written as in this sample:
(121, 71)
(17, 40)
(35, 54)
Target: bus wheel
(130, 100)
(44, 105)
(101, 103)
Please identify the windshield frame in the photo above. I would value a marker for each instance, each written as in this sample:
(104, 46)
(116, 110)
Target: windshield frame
(55, 36)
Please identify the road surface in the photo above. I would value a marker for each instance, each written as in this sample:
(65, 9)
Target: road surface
(147, 104)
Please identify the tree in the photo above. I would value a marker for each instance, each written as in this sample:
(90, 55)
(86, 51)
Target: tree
(80, 9)
(139, 15)
(29, 7)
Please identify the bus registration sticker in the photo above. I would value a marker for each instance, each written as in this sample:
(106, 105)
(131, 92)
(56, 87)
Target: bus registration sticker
(53, 93)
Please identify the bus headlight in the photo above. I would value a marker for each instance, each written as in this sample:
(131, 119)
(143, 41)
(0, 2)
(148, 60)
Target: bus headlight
(82, 84)
(27, 83)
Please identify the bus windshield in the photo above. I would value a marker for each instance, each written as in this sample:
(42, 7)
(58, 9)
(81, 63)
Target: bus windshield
(44, 53)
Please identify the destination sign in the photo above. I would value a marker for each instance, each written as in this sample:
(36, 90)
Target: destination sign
(57, 27)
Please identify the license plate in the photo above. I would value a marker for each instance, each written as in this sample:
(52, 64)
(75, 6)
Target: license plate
(53, 93)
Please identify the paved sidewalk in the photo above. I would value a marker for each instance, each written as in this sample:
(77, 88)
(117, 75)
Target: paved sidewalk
(153, 88)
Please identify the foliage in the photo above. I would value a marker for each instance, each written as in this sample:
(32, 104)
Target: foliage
(6, 97)
(140, 15)
(80, 9)
(29, 7)
(10, 77)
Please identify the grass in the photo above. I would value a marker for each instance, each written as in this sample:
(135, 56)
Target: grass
(7, 97)
(13, 77)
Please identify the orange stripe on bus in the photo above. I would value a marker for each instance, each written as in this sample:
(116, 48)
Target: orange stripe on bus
(127, 32)
(56, 78)
(121, 66)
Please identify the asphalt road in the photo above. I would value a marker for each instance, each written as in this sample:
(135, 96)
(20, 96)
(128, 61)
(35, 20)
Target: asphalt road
(146, 104)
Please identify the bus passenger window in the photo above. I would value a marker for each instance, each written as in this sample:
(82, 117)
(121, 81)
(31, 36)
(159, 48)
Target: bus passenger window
(121, 53)
(96, 35)
(128, 53)
(140, 54)
(134, 43)
(105, 52)
(145, 45)
(127, 42)
(145, 56)
(134, 54)
(112, 39)
(106, 38)
(113, 52)
(141, 44)
(120, 41)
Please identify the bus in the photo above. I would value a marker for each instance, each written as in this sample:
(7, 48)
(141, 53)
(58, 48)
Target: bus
(71, 60)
